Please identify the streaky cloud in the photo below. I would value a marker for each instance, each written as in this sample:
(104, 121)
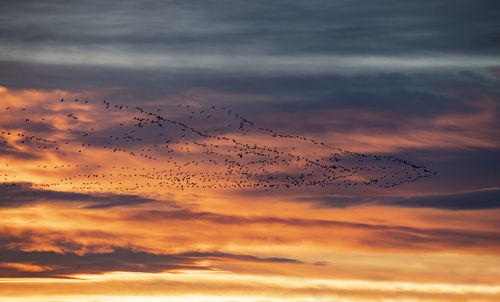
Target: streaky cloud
(484, 199)
(19, 194)
(48, 264)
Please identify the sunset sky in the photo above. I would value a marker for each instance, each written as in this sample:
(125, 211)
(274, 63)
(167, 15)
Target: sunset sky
(250, 151)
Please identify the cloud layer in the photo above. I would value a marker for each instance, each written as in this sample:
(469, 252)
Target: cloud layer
(475, 200)
(81, 221)
(22, 194)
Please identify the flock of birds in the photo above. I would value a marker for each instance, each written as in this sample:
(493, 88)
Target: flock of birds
(180, 146)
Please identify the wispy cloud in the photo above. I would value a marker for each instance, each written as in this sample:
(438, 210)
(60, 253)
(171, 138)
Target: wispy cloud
(23, 194)
(33, 264)
(488, 198)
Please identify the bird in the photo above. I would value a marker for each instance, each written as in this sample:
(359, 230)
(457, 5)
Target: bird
(192, 149)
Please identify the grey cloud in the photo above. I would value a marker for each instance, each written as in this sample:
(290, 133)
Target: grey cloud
(65, 265)
(484, 199)
(242, 35)
(415, 94)
(9, 151)
(22, 194)
(475, 200)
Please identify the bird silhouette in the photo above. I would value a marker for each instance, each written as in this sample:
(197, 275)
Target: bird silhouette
(194, 147)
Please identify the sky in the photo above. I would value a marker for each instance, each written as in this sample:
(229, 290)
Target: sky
(250, 150)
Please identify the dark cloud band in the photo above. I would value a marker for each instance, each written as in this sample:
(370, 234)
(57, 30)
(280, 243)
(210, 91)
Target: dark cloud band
(474, 200)
(22, 194)
(47, 264)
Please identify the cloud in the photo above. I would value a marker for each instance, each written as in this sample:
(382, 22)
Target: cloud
(10, 151)
(337, 201)
(22, 194)
(382, 237)
(41, 264)
(282, 29)
(312, 64)
(475, 200)
(177, 231)
(488, 198)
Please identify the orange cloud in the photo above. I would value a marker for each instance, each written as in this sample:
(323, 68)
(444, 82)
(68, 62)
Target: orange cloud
(98, 196)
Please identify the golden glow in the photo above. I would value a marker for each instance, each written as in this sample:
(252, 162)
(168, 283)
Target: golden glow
(231, 287)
